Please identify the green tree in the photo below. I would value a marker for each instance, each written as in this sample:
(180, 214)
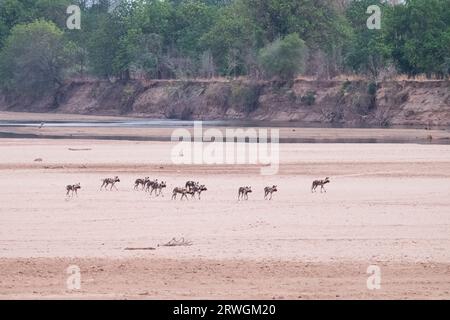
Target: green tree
(368, 52)
(152, 36)
(247, 25)
(233, 40)
(11, 13)
(419, 34)
(103, 46)
(317, 22)
(132, 53)
(4, 31)
(130, 38)
(192, 20)
(51, 10)
(283, 58)
(34, 58)
(152, 17)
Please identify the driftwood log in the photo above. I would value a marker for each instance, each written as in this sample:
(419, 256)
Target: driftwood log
(174, 243)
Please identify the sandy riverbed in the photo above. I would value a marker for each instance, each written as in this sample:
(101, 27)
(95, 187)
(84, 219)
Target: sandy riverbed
(387, 205)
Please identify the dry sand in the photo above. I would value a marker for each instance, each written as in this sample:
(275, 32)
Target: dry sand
(387, 205)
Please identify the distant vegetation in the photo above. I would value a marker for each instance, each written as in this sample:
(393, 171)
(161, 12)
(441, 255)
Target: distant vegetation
(259, 39)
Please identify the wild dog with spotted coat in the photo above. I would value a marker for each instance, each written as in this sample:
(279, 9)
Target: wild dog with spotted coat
(243, 193)
(110, 181)
(71, 188)
(183, 191)
(320, 183)
(158, 188)
(198, 190)
(191, 184)
(269, 190)
(141, 182)
(150, 184)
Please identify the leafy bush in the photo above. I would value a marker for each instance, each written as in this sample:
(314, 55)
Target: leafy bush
(186, 114)
(346, 85)
(34, 58)
(283, 58)
(246, 97)
(372, 88)
(309, 99)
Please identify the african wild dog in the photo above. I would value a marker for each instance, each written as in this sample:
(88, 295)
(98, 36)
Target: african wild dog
(269, 190)
(158, 187)
(191, 184)
(198, 190)
(142, 182)
(184, 192)
(243, 193)
(110, 181)
(150, 184)
(72, 188)
(320, 183)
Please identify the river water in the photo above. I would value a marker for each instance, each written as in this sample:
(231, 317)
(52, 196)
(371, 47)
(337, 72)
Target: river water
(167, 123)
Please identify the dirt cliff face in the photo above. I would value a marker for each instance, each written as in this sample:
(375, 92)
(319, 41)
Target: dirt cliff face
(349, 103)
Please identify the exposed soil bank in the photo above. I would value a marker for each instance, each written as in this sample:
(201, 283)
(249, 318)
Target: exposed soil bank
(348, 103)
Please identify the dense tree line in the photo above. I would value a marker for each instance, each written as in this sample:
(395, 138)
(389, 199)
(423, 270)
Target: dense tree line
(276, 39)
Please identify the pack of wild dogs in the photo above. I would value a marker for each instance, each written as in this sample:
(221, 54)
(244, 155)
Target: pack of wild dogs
(191, 188)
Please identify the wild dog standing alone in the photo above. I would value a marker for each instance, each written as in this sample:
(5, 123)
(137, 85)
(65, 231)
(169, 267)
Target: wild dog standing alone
(73, 188)
(243, 193)
(158, 187)
(110, 181)
(183, 192)
(142, 182)
(320, 183)
(269, 190)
